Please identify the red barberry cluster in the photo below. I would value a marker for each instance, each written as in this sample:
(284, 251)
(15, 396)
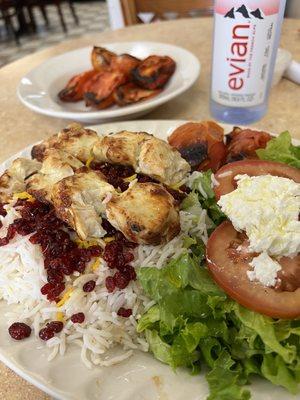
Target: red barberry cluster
(61, 255)
(50, 329)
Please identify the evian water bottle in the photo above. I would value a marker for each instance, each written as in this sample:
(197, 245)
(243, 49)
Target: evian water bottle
(246, 37)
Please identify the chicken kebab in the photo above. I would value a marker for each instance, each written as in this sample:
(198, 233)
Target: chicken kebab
(69, 171)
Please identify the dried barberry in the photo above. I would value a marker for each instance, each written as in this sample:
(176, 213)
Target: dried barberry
(89, 286)
(78, 318)
(19, 331)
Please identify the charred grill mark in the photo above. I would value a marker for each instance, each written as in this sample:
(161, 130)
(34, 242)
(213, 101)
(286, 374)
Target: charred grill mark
(195, 154)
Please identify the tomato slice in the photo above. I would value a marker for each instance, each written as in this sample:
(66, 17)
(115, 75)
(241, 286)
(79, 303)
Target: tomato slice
(225, 175)
(231, 275)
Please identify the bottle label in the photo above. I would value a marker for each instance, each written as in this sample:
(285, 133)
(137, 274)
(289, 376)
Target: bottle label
(243, 46)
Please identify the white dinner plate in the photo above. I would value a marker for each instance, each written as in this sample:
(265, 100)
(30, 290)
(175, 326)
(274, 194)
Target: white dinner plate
(139, 378)
(39, 88)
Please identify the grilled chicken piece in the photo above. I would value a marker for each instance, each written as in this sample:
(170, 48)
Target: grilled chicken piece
(78, 200)
(163, 163)
(75, 88)
(101, 58)
(74, 140)
(57, 165)
(154, 72)
(146, 154)
(13, 179)
(145, 213)
(120, 148)
(99, 90)
(131, 93)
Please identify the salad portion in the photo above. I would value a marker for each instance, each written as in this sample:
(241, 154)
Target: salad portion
(188, 249)
(239, 312)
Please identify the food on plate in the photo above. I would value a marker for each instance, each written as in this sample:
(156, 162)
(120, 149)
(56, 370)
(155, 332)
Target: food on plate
(74, 139)
(145, 213)
(281, 149)
(99, 91)
(201, 144)
(233, 272)
(125, 63)
(154, 72)
(105, 60)
(225, 176)
(101, 58)
(117, 243)
(144, 153)
(132, 93)
(75, 88)
(13, 179)
(118, 79)
(243, 143)
(56, 165)
(78, 201)
(78, 194)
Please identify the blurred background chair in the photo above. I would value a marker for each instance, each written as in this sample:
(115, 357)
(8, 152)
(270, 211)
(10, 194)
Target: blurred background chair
(42, 5)
(27, 26)
(8, 12)
(131, 12)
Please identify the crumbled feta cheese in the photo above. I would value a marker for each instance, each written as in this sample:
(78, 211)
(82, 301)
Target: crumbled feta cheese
(266, 207)
(264, 270)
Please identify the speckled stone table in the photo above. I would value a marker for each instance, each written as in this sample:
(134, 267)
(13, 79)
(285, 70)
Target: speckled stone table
(20, 126)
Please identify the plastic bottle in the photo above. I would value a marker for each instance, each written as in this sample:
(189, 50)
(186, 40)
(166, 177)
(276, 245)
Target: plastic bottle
(246, 39)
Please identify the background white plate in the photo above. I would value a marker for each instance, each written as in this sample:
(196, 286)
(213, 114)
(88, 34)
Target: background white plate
(139, 378)
(39, 88)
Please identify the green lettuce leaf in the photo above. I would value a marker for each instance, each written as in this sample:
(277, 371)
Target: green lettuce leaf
(224, 380)
(201, 187)
(264, 327)
(275, 370)
(149, 319)
(193, 322)
(281, 149)
(160, 349)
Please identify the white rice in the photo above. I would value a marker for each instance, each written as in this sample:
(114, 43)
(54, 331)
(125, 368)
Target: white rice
(22, 274)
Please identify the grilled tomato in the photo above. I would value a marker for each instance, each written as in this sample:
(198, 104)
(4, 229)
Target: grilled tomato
(154, 72)
(131, 93)
(75, 88)
(201, 144)
(242, 143)
(101, 59)
(99, 90)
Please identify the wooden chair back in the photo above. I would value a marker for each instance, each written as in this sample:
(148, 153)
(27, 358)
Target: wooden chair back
(135, 10)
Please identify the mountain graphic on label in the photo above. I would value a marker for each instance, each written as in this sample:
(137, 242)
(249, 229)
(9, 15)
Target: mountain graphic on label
(257, 14)
(245, 12)
(230, 14)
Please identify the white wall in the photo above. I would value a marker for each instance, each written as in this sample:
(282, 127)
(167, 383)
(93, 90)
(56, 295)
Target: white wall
(115, 14)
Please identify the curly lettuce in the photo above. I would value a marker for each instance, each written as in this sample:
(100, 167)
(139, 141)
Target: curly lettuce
(281, 149)
(193, 322)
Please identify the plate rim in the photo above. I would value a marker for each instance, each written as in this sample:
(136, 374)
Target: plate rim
(121, 111)
(14, 365)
